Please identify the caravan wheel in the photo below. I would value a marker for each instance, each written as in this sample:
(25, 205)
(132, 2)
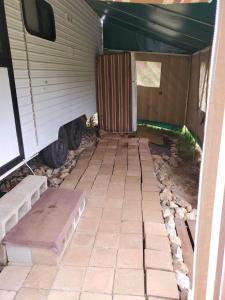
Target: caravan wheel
(74, 132)
(55, 154)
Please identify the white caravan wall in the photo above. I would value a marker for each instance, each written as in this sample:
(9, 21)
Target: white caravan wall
(62, 73)
(18, 51)
(9, 145)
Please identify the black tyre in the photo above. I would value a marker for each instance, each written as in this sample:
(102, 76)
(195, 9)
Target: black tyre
(55, 154)
(83, 120)
(74, 132)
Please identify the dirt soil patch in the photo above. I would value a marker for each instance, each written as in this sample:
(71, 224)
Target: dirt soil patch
(184, 167)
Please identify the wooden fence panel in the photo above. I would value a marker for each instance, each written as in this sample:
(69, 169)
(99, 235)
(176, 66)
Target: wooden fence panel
(166, 104)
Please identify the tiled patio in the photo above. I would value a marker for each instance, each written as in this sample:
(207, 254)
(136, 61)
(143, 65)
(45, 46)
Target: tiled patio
(120, 249)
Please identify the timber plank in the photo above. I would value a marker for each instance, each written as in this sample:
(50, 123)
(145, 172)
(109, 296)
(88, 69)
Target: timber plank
(192, 227)
(186, 245)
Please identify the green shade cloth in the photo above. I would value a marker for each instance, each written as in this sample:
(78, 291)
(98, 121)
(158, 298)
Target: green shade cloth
(174, 28)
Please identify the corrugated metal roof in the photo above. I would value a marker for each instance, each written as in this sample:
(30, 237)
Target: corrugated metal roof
(177, 28)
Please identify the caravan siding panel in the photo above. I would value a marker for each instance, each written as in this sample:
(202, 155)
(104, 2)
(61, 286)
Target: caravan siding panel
(19, 57)
(63, 72)
(55, 81)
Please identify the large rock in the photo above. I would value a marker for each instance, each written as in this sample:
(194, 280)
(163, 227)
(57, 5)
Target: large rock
(182, 203)
(56, 172)
(165, 157)
(167, 182)
(166, 195)
(165, 203)
(164, 173)
(64, 175)
(181, 197)
(55, 181)
(172, 204)
(185, 295)
(170, 225)
(39, 172)
(180, 266)
(170, 221)
(161, 186)
(173, 162)
(170, 230)
(156, 156)
(158, 163)
(175, 240)
(188, 208)
(182, 281)
(192, 215)
(166, 211)
(49, 172)
(176, 252)
(180, 212)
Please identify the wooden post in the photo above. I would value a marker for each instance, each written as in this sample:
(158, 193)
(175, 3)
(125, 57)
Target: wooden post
(219, 290)
(212, 178)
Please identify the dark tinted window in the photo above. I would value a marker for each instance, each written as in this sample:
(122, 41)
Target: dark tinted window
(3, 51)
(1, 46)
(39, 19)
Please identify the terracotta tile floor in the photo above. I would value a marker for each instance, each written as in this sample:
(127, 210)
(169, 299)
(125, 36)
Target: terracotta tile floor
(104, 260)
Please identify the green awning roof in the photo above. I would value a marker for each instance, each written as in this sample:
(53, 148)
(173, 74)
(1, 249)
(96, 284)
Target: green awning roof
(177, 28)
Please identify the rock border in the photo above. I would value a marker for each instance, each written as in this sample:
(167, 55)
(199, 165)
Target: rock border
(174, 206)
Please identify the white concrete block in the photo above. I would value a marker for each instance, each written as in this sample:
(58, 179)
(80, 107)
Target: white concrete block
(8, 219)
(23, 210)
(16, 203)
(3, 255)
(19, 255)
(32, 185)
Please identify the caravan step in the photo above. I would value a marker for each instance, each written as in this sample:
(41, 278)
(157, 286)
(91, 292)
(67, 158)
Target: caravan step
(43, 234)
(16, 203)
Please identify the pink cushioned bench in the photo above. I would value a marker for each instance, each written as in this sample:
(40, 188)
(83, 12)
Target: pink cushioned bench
(47, 227)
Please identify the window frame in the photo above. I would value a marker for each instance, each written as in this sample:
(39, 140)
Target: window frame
(40, 34)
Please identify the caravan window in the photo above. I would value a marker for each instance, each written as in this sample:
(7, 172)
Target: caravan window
(39, 19)
(1, 46)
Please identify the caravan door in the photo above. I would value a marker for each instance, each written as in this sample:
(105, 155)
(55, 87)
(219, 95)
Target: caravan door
(11, 146)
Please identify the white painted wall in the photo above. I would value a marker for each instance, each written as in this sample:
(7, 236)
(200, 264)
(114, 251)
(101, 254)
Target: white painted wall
(55, 81)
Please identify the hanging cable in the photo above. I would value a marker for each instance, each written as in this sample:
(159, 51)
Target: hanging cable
(29, 168)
